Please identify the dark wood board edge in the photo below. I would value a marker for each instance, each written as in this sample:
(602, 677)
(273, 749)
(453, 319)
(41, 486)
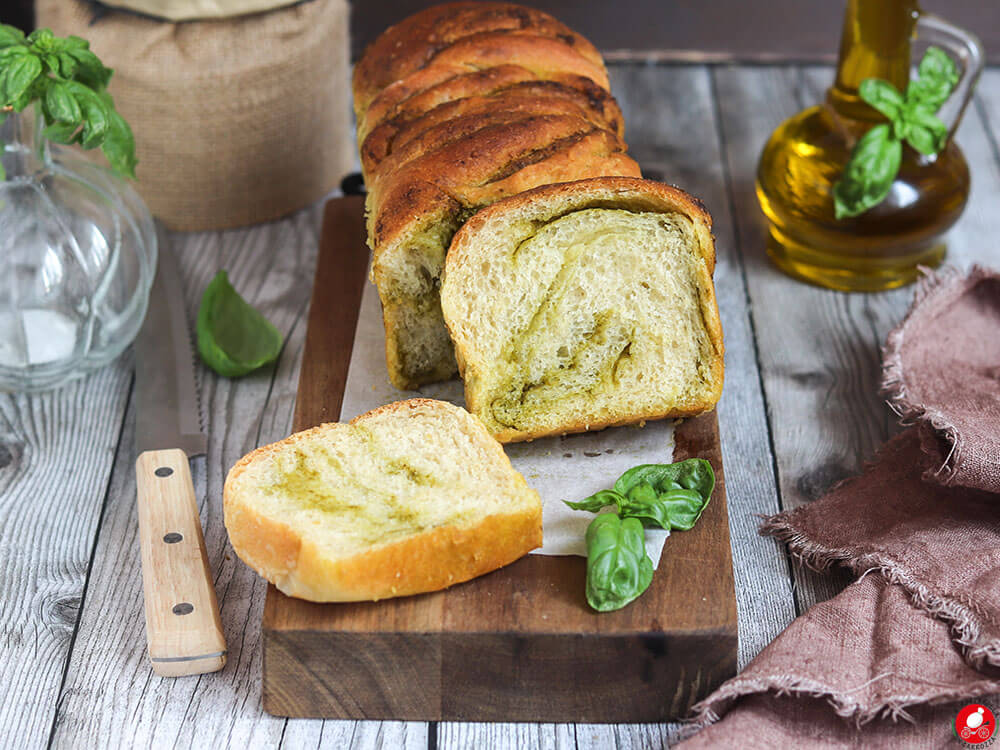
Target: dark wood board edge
(413, 630)
(339, 276)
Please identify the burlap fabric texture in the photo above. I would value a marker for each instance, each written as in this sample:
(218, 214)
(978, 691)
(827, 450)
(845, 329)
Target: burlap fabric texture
(237, 121)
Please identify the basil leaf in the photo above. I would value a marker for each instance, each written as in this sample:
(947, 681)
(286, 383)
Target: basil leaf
(119, 145)
(63, 132)
(883, 96)
(671, 496)
(61, 105)
(75, 42)
(674, 509)
(20, 74)
(925, 131)
(8, 53)
(91, 71)
(10, 35)
(692, 474)
(938, 75)
(95, 113)
(233, 338)
(869, 174)
(597, 501)
(618, 568)
(67, 65)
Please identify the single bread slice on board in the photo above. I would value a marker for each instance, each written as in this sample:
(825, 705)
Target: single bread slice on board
(411, 497)
(583, 305)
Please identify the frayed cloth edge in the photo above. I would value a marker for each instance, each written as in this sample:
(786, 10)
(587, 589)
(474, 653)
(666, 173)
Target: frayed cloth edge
(713, 708)
(966, 628)
(893, 386)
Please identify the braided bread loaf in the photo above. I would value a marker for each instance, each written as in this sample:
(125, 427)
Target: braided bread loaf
(458, 106)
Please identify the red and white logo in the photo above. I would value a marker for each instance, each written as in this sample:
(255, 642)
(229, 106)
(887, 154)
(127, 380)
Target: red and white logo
(976, 725)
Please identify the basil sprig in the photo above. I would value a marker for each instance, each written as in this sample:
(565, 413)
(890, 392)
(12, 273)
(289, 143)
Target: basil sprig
(668, 496)
(69, 82)
(877, 156)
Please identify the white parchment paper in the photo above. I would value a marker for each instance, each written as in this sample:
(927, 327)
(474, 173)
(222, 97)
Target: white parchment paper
(560, 468)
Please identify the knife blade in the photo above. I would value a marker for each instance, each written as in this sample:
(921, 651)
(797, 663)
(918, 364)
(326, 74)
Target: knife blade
(183, 628)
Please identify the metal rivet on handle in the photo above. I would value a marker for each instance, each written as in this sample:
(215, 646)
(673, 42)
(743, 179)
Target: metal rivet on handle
(184, 608)
(164, 471)
(172, 538)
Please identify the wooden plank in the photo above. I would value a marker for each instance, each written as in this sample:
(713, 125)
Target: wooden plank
(56, 452)
(520, 629)
(110, 691)
(820, 350)
(727, 30)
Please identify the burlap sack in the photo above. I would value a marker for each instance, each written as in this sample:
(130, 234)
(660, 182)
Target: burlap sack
(237, 121)
(186, 10)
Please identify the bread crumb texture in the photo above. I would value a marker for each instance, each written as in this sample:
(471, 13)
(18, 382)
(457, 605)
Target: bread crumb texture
(411, 497)
(577, 308)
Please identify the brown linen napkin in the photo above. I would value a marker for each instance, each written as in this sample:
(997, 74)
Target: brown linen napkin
(942, 368)
(921, 627)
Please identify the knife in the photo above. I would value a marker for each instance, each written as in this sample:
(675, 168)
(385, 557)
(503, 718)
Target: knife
(183, 627)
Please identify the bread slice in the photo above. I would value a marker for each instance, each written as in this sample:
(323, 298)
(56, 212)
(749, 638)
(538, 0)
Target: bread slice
(583, 305)
(411, 497)
(414, 211)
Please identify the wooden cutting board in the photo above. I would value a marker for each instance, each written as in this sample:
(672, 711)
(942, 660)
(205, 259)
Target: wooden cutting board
(519, 644)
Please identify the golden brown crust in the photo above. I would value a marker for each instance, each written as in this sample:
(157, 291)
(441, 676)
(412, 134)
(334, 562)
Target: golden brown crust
(429, 561)
(548, 201)
(470, 169)
(418, 40)
(434, 85)
(412, 133)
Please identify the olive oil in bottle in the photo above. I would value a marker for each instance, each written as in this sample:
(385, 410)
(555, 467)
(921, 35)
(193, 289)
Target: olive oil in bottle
(883, 247)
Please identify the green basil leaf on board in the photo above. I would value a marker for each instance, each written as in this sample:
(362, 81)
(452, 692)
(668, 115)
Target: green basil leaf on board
(671, 496)
(597, 502)
(869, 174)
(233, 338)
(677, 510)
(618, 568)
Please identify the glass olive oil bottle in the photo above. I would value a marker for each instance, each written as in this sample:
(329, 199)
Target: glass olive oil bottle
(883, 247)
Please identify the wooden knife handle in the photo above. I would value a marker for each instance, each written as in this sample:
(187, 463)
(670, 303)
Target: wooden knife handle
(183, 627)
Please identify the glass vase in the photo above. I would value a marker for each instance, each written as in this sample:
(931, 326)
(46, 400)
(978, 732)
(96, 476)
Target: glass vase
(77, 259)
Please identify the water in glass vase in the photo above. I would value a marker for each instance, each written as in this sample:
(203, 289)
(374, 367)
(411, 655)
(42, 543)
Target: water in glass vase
(883, 247)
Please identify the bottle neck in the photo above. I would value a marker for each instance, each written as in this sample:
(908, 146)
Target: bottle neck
(875, 44)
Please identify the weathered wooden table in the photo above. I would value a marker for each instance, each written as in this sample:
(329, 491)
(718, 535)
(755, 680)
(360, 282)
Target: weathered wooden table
(800, 411)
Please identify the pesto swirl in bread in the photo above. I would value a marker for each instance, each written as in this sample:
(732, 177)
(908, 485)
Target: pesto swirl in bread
(584, 305)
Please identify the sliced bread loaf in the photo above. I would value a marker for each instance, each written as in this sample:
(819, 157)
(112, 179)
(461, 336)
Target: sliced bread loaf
(411, 497)
(583, 305)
